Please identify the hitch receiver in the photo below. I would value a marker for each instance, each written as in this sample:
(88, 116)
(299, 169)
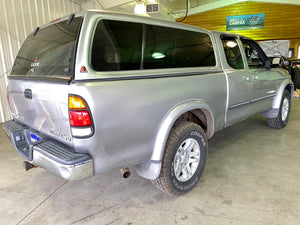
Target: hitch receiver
(27, 166)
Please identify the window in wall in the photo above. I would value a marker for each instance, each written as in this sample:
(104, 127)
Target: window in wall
(117, 46)
(290, 53)
(172, 48)
(232, 52)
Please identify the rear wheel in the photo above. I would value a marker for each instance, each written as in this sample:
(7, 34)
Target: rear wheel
(284, 112)
(184, 159)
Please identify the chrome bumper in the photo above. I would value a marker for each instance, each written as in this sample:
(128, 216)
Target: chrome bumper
(55, 157)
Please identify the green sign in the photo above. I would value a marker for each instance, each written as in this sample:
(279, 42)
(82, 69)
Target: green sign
(245, 22)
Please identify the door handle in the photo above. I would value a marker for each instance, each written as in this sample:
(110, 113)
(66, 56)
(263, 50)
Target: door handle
(246, 78)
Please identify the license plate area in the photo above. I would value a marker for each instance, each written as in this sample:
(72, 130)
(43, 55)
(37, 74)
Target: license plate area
(24, 140)
(21, 144)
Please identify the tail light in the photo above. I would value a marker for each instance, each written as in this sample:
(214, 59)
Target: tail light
(80, 117)
(52, 21)
(7, 94)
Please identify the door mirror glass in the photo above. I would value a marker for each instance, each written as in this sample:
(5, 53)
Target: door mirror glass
(276, 61)
(286, 63)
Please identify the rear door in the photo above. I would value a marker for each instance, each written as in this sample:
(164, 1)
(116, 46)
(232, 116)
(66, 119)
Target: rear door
(39, 81)
(239, 84)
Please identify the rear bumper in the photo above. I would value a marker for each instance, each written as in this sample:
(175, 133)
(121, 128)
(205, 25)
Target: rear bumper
(48, 153)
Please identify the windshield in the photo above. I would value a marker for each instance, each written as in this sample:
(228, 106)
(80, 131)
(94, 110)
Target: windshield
(50, 52)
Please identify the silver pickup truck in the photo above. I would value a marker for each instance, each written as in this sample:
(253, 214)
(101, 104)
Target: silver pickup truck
(100, 90)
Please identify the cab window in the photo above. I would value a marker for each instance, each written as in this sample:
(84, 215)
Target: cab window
(232, 52)
(253, 55)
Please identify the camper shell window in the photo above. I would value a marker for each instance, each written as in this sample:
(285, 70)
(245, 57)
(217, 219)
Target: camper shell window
(49, 51)
(119, 45)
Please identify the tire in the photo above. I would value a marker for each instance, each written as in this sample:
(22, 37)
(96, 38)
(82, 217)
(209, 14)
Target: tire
(297, 78)
(284, 112)
(184, 159)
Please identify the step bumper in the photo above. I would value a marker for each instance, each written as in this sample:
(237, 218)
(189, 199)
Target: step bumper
(57, 158)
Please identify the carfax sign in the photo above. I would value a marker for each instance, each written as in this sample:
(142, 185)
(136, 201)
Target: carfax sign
(245, 22)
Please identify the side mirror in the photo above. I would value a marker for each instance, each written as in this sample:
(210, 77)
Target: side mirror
(276, 61)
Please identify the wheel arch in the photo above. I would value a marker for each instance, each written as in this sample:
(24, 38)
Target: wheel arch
(197, 111)
(287, 85)
(273, 112)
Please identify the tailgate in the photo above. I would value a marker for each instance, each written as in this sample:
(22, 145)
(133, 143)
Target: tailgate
(39, 82)
(42, 106)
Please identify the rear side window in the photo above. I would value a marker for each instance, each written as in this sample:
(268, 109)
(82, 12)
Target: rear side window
(171, 48)
(50, 52)
(117, 46)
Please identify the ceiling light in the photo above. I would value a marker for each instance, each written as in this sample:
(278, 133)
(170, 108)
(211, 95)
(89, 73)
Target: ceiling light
(158, 55)
(140, 8)
(231, 44)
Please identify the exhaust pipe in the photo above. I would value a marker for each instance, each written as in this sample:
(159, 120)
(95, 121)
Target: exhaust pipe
(125, 172)
(27, 166)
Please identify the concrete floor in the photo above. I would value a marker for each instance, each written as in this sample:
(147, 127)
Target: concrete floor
(252, 177)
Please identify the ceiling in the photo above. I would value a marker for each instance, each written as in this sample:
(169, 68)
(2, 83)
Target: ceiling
(169, 9)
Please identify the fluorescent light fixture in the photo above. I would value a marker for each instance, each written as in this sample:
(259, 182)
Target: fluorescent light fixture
(140, 8)
(231, 44)
(158, 55)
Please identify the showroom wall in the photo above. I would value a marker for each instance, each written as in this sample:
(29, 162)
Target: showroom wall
(281, 21)
(19, 18)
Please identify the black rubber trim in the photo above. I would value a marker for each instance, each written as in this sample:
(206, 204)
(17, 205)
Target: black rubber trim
(75, 51)
(249, 102)
(167, 75)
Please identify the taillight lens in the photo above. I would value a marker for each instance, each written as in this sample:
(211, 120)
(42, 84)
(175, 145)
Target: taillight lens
(7, 94)
(52, 21)
(76, 102)
(80, 117)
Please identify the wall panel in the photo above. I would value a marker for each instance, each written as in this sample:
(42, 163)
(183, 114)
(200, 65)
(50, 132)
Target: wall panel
(281, 20)
(17, 20)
